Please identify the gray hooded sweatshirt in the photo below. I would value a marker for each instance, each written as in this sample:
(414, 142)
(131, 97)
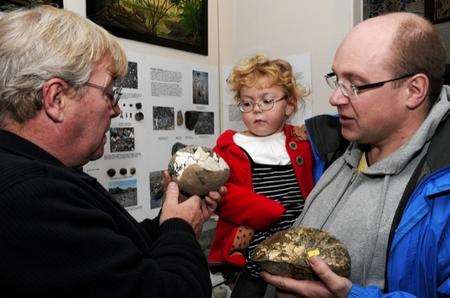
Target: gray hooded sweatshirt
(358, 207)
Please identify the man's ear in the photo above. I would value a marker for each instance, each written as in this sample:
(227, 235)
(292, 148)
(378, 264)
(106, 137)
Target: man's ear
(54, 97)
(418, 89)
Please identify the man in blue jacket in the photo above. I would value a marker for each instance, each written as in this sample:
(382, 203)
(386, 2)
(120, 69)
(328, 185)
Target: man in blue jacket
(388, 196)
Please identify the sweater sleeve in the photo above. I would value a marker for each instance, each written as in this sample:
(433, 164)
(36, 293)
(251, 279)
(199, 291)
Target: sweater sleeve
(56, 241)
(242, 206)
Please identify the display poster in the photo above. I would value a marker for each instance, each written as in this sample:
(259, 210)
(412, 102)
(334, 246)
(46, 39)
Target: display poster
(164, 101)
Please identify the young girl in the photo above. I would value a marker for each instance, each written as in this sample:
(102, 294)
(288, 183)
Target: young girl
(271, 168)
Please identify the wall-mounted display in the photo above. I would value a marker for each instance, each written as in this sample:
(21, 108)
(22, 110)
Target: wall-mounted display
(6, 5)
(439, 11)
(180, 24)
(124, 192)
(373, 8)
(156, 189)
(157, 110)
(131, 79)
(205, 123)
(121, 139)
(163, 118)
(200, 87)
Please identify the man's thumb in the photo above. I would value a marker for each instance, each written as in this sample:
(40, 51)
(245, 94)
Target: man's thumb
(172, 193)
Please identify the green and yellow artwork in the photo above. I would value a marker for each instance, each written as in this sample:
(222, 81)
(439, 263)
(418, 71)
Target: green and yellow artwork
(180, 24)
(6, 6)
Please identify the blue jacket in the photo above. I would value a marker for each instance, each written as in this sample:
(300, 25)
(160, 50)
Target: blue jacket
(418, 256)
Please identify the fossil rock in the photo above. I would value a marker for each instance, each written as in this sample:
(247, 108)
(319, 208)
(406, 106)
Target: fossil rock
(198, 170)
(179, 118)
(286, 253)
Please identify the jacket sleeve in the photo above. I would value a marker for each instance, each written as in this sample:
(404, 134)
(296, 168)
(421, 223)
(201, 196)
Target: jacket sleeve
(61, 242)
(241, 206)
(375, 292)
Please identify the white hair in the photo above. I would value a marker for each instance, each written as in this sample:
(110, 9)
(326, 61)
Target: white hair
(43, 43)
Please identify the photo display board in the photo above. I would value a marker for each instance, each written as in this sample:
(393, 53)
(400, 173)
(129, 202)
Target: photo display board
(164, 101)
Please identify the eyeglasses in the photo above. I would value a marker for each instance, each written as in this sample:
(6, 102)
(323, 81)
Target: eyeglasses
(112, 94)
(351, 89)
(265, 104)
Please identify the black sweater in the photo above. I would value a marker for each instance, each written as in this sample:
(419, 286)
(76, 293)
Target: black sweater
(62, 235)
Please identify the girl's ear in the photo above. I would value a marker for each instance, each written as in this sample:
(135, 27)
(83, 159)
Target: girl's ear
(289, 107)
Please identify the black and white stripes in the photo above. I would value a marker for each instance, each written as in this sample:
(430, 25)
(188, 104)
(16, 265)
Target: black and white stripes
(279, 183)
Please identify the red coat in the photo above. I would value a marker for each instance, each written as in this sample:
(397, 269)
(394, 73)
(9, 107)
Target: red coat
(241, 206)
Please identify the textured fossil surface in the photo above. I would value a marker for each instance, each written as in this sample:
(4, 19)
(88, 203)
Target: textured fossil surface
(286, 253)
(198, 170)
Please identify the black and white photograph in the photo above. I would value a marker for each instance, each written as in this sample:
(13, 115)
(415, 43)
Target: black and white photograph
(200, 87)
(163, 118)
(131, 79)
(156, 189)
(124, 192)
(121, 139)
(205, 124)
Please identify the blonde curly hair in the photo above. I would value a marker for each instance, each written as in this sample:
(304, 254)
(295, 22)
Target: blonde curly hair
(261, 72)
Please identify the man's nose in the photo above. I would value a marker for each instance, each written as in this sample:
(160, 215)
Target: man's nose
(338, 98)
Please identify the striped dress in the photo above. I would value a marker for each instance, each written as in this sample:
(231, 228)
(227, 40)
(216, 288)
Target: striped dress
(279, 183)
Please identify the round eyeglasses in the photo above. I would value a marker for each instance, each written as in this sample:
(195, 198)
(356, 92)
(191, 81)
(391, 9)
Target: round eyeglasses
(350, 89)
(265, 104)
(113, 94)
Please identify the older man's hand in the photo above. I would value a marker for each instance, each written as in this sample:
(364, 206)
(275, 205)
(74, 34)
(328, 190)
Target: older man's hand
(331, 284)
(193, 209)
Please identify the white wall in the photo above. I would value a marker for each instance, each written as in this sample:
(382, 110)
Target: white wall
(286, 27)
(240, 28)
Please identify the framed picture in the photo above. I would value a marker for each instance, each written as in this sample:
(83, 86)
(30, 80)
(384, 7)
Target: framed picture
(178, 24)
(373, 8)
(15, 4)
(439, 10)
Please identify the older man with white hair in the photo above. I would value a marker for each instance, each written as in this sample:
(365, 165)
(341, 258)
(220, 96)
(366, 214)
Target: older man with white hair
(61, 233)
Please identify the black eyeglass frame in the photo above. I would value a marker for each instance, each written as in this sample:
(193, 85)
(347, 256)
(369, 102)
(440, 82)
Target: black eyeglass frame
(241, 108)
(112, 94)
(355, 88)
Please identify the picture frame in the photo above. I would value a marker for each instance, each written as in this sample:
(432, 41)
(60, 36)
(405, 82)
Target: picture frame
(178, 24)
(438, 10)
(10, 5)
(372, 8)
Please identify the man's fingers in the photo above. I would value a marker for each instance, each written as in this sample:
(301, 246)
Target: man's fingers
(335, 283)
(222, 190)
(280, 282)
(210, 204)
(304, 288)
